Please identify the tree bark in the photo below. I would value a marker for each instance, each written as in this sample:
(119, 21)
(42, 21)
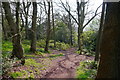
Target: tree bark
(33, 29)
(53, 25)
(16, 39)
(109, 66)
(80, 10)
(70, 28)
(48, 29)
(99, 34)
(3, 27)
(26, 10)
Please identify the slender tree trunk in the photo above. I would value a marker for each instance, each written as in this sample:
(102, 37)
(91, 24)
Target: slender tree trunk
(3, 27)
(70, 28)
(33, 29)
(79, 27)
(109, 66)
(22, 25)
(48, 29)
(99, 34)
(53, 25)
(26, 10)
(16, 39)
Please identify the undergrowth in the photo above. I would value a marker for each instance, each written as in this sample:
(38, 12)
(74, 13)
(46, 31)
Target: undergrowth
(86, 70)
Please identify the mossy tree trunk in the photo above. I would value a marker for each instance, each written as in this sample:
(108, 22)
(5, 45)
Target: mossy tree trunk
(48, 29)
(33, 29)
(53, 26)
(16, 38)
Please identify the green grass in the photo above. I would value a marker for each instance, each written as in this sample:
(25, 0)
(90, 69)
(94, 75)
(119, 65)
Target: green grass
(33, 63)
(22, 74)
(86, 70)
(16, 74)
(7, 46)
(29, 55)
(56, 55)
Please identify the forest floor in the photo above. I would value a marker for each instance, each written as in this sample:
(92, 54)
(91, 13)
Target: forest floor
(55, 67)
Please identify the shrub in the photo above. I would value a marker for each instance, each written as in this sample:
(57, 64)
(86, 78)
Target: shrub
(22, 74)
(89, 41)
(16, 74)
(87, 69)
(62, 46)
(33, 63)
(7, 64)
(41, 43)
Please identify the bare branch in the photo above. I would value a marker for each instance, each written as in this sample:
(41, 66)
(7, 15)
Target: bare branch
(69, 12)
(90, 20)
(92, 17)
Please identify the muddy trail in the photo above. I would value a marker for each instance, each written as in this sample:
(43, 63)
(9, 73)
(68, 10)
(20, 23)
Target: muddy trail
(64, 66)
(56, 67)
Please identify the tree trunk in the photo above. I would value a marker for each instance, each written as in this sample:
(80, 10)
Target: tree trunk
(99, 34)
(79, 44)
(33, 29)
(53, 26)
(48, 29)
(26, 10)
(70, 28)
(109, 66)
(16, 38)
(80, 9)
(3, 27)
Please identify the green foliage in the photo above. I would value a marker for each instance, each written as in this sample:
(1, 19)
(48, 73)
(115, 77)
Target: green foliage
(7, 47)
(29, 55)
(56, 55)
(22, 74)
(41, 43)
(62, 46)
(41, 50)
(26, 46)
(7, 63)
(62, 32)
(16, 74)
(89, 41)
(87, 69)
(31, 62)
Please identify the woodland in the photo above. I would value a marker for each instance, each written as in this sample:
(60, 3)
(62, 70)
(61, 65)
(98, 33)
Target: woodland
(49, 39)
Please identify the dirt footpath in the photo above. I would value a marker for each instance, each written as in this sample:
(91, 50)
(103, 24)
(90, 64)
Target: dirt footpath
(64, 66)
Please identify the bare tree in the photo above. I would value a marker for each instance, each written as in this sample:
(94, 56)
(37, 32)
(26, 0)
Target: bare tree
(53, 25)
(48, 29)
(81, 17)
(26, 11)
(33, 29)
(70, 28)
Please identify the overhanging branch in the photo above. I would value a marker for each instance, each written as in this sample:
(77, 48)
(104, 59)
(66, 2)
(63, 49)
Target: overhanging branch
(92, 17)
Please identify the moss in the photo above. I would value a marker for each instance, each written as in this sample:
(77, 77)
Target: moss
(16, 74)
(29, 55)
(31, 62)
(56, 55)
(22, 74)
(7, 46)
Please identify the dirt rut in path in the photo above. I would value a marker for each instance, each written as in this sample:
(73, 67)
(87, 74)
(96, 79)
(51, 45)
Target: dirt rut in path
(65, 66)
